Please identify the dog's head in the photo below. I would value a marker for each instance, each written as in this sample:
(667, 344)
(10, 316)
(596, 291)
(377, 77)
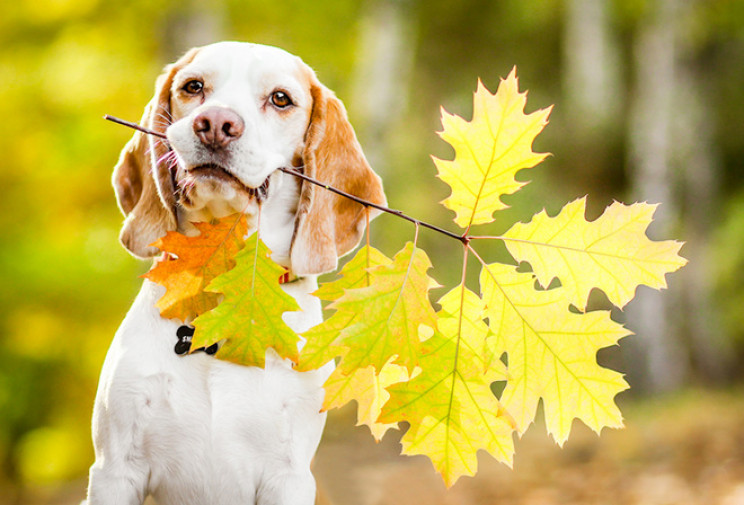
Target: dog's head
(233, 114)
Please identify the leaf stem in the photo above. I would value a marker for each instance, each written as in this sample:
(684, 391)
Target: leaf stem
(255, 256)
(485, 237)
(366, 215)
(466, 248)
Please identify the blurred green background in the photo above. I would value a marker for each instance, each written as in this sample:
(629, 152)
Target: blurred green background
(648, 95)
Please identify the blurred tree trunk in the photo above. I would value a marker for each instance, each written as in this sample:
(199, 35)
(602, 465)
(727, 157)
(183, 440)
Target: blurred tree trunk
(696, 154)
(591, 80)
(673, 162)
(592, 88)
(659, 361)
(192, 23)
(382, 74)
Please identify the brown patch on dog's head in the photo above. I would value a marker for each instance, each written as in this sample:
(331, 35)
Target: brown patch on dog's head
(144, 188)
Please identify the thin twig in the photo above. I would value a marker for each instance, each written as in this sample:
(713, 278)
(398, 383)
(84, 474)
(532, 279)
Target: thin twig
(366, 203)
(134, 125)
(465, 239)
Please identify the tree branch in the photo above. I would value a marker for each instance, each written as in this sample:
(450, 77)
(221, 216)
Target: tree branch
(465, 239)
(366, 203)
(134, 125)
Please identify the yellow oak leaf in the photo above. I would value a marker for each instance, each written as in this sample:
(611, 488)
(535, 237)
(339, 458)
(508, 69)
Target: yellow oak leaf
(452, 446)
(249, 318)
(551, 354)
(354, 274)
(489, 151)
(323, 340)
(368, 389)
(193, 262)
(611, 253)
(450, 406)
(390, 312)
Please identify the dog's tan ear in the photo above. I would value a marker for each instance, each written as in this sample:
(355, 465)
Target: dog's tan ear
(142, 179)
(328, 225)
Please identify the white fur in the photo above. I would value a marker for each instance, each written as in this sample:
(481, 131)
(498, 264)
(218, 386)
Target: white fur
(193, 430)
(242, 77)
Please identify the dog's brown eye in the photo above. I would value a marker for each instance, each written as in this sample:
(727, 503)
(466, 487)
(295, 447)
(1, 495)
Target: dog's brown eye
(193, 87)
(281, 99)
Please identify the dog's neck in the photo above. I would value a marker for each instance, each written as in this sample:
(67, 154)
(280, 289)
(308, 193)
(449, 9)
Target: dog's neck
(274, 215)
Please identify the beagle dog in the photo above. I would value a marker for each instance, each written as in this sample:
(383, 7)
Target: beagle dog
(192, 429)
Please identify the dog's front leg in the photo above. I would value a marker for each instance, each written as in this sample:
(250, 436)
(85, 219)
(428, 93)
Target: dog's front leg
(121, 484)
(288, 489)
(120, 474)
(117, 477)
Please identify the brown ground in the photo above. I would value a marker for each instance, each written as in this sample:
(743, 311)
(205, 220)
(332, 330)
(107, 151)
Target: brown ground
(681, 451)
(686, 450)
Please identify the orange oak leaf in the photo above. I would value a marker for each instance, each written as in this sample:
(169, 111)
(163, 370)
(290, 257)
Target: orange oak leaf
(193, 262)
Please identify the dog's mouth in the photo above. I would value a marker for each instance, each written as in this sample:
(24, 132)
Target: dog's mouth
(216, 171)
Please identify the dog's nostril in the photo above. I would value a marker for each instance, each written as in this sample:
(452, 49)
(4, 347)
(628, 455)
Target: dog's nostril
(202, 124)
(233, 127)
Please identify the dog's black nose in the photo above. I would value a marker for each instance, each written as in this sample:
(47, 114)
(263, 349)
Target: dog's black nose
(216, 127)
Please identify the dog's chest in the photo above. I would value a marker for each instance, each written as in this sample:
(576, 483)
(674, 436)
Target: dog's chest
(201, 423)
(231, 426)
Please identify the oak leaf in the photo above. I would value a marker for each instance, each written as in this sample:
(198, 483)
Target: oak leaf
(449, 404)
(323, 341)
(489, 151)
(389, 313)
(551, 353)
(611, 253)
(249, 318)
(368, 388)
(326, 341)
(192, 263)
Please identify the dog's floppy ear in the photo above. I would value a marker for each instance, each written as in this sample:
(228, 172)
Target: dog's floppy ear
(328, 225)
(143, 186)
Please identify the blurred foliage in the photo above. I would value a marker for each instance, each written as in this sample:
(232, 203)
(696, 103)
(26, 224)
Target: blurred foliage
(729, 265)
(66, 281)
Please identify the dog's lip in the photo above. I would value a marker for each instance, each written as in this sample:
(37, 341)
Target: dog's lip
(215, 170)
(218, 171)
